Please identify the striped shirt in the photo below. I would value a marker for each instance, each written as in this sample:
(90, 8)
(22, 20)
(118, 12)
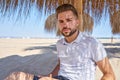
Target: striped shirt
(77, 59)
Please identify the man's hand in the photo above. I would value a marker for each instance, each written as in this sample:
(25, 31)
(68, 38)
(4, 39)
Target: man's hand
(47, 78)
(107, 77)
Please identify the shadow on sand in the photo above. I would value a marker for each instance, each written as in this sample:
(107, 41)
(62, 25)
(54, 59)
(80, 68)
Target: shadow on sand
(111, 44)
(114, 51)
(33, 64)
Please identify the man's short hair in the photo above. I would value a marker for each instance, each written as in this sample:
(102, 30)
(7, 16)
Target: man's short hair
(66, 7)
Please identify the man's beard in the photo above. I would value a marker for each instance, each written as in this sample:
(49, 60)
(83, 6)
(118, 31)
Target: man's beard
(70, 34)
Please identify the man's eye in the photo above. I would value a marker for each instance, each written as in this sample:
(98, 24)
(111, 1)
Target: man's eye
(68, 20)
(60, 21)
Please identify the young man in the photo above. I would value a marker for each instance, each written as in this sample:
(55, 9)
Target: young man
(78, 54)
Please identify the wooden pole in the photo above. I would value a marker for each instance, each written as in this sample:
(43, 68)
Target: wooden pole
(79, 6)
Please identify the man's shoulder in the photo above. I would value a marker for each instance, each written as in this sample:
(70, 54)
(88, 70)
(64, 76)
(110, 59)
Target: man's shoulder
(90, 39)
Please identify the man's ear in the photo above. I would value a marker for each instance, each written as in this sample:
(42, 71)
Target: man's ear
(78, 22)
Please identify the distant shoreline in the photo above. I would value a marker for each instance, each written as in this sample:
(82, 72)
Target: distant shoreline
(51, 37)
(26, 38)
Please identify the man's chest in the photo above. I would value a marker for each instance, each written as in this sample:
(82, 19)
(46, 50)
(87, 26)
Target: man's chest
(75, 53)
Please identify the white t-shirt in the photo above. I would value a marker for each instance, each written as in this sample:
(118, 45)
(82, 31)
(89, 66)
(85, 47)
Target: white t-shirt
(77, 59)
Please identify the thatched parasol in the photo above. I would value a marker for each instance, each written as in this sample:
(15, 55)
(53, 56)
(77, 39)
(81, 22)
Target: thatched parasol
(115, 22)
(51, 24)
(93, 7)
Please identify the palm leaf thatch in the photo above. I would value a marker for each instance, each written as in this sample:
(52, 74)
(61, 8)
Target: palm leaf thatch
(93, 7)
(51, 24)
(115, 22)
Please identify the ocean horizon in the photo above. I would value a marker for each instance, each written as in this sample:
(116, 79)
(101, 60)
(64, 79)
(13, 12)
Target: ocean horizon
(18, 37)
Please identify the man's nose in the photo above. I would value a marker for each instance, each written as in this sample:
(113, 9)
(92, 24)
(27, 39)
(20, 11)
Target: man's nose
(65, 24)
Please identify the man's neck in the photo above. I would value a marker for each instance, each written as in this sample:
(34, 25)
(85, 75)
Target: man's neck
(72, 37)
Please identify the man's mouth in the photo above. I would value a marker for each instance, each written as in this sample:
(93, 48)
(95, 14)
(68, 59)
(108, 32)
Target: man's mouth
(65, 30)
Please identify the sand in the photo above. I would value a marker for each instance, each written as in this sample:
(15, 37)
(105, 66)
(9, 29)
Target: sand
(39, 56)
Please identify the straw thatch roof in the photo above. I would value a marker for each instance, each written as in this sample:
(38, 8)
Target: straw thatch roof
(115, 22)
(93, 7)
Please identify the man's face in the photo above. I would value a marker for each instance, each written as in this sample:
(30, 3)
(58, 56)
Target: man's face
(67, 23)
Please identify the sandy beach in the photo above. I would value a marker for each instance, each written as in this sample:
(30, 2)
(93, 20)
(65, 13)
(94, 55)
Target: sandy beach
(39, 56)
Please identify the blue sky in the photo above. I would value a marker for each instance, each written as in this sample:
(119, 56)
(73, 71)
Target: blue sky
(33, 26)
